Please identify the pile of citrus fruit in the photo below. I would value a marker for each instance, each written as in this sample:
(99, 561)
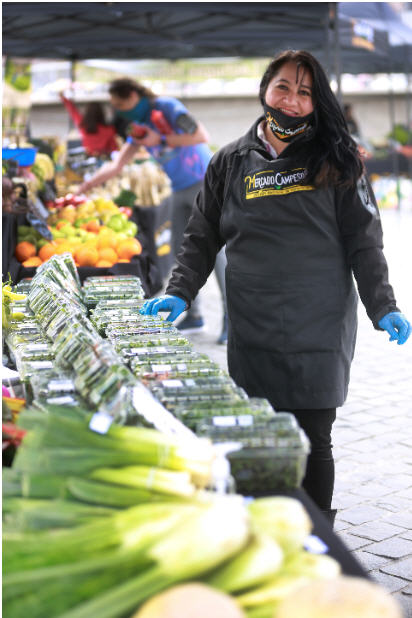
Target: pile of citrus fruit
(104, 249)
(100, 240)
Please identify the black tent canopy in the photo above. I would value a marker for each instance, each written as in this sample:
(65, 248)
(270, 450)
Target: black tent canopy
(176, 30)
(159, 30)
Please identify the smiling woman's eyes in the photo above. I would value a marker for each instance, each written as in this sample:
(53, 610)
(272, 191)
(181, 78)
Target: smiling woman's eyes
(305, 93)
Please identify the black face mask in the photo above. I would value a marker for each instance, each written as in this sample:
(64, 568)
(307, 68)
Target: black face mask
(287, 128)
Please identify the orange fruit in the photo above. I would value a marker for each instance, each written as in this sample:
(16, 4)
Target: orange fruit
(86, 256)
(103, 264)
(108, 254)
(47, 251)
(24, 250)
(106, 240)
(128, 248)
(32, 261)
(123, 261)
(61, 224)
(63, 247)
(93, 226)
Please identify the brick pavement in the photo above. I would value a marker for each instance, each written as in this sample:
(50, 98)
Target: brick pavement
(373, 437)
(373, 431)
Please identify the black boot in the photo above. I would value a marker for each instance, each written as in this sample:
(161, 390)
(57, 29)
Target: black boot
(223, 335)
(330, 515)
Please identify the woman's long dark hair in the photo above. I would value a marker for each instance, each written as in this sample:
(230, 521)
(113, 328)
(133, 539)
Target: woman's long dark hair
(93, 117)
(124, 87)
(332, 156)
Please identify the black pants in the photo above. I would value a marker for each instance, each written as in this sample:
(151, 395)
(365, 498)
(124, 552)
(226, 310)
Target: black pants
(320, 472)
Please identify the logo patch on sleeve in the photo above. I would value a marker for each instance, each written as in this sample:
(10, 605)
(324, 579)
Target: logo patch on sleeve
(365, 197)
(269, 182)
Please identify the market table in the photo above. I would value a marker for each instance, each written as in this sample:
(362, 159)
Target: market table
(395, 163)
(142, 266)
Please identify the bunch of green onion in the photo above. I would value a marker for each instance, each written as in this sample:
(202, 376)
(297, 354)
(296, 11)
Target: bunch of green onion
(60, 442)
(97, 524)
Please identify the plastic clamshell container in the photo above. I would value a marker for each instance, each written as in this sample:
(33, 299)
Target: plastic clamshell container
(193, 414)
(49, 387)
(188, 369)
(266, 455)
(110, 280)
(32, 352)
(128, 345)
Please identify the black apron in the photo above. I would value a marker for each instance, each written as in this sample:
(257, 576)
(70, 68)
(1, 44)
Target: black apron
(290, 294)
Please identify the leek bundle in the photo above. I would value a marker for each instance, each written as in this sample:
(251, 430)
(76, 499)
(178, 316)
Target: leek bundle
(195, 547)
(109, 567)
(49, 572)
(61, 443)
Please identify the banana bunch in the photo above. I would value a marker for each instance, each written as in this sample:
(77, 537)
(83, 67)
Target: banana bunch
(7, 297)
(45, 165)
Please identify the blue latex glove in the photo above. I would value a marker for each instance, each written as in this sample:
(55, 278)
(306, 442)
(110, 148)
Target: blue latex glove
(174, 304)
(397, 326)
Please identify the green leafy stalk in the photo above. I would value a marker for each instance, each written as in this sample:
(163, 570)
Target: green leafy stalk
(198, 544)
(272, 592)
(262, 611)
(217, 532)
(121, 446)
(153, 479)
(137, 527)
(123, 598)
(29, 514)
(260, 560)
(52, 596)
(110, 495)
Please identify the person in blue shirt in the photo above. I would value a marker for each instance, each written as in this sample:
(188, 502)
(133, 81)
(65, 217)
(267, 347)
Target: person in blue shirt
(179, 144)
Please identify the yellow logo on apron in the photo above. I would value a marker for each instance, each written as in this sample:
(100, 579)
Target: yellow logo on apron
(269, 182)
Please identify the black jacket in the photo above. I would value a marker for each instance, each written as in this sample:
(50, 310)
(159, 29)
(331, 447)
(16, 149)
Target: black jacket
(291, 251)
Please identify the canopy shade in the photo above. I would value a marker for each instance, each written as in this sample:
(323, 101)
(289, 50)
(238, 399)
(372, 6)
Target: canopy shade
(175, 30)
(158, 30)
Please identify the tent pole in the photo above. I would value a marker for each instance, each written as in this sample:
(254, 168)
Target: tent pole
(72, 76)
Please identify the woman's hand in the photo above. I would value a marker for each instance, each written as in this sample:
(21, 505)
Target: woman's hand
(151, 139)
(397, 326)
(83, 188)
(174, 304)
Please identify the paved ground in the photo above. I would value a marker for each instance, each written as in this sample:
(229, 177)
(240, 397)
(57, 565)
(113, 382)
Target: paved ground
(373, 431)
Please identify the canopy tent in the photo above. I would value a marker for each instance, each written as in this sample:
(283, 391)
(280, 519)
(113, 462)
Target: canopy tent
(345, 37)
(175, 30)
(157, 30)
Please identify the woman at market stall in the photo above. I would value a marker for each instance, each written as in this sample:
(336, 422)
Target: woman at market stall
(98, 137)
(292, 205)
(179, 144)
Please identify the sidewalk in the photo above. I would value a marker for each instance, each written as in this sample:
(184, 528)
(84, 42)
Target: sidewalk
(373, 431)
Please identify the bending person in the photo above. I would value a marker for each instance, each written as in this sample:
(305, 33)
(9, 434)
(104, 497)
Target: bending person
(179, 144)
